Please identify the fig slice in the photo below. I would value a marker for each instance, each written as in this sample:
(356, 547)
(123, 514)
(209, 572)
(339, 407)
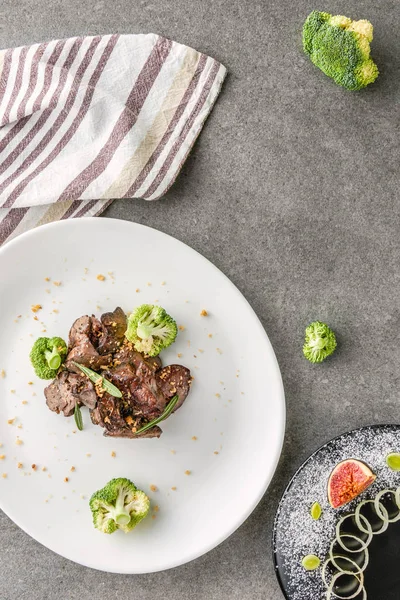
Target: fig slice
(347, 481)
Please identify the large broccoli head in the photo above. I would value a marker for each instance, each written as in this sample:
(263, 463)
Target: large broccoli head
(118, 505)
(151, 329)
(340, 48)
(47, 355)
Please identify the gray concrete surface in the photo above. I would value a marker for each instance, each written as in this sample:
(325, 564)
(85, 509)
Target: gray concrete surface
(292, 190)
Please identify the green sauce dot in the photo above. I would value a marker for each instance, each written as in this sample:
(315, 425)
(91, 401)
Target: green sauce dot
(393, 461)
(316, 511)
(311, 562)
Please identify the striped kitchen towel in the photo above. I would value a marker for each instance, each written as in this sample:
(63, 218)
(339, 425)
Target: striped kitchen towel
(90, 119)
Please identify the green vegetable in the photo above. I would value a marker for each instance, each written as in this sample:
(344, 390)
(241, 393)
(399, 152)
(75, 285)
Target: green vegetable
(340, 47)
(95, 378)
(393, 461)
(316, 511)
(320, 342)
(151, 329)
(47, 355)
(118, 505)
(311, 562)
(167, 411)
(78, 417)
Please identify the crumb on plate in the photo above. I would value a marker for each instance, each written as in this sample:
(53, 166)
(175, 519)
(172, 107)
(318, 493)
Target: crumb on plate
(11, 421)
(113, 454)
(187, 472)
(19, 465)
(2, 373)
(72, 469)
(57, 283)
(34, 467)
(153, 488)
(204, 313)
(66, 479)
(173, 488)
(194, 438)
(36, 307)
(18, 441)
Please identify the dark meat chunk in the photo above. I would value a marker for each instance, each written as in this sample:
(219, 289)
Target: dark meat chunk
(85, 354)
(80, 330)
(175, 380)
(67, 390)
(123, 376)
(147, 399)
(127, 354)
(108, 413)
(127, 433)
(114, 327)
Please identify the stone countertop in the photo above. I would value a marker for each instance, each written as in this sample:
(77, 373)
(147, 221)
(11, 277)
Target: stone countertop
(292, 191)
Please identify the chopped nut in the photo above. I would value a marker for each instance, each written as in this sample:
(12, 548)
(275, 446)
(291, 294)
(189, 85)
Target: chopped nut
(187, 472)
(11, 421)
(179, 355)
(113, 454)
(30, 382)
(216, 452)
(210, 335)
(173, 488)
(2, 456)
(34, 467)
(72, 469)
(18, 442)
(47, 278)
(204, 313)
(194, 438)
(100, 277)
(153, 488)
(4, 476)
(20, 465)
(44, 468)
(36, 307)
(218, 395)
(66, 479)
(2, 373)
(24, 402)
(137, 290)
(156, 508)
(57, 283)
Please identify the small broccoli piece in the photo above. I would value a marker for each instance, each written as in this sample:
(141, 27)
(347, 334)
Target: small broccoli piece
(320, 342)
(118, 505)
(151, 329)
(340, 48)
(47, 355)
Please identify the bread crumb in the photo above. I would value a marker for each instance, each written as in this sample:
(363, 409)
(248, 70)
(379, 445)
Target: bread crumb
(216, 452)
(12, 391)
(156, 508)
(19, 465)
(19, 426)
(2, 456)
(4, 476)
(218, 395)
(47, 278)
(18, 442)
(49, 476)
(153, 488)
(88, 454)
(34, 467)
(66, 479)
(181, 328)
(194, 438)
(173, 451)
(179, 355)
(47, 291)
(100, 277)
(55, 310)
(36, 307)
(219, 350)
(210, 335)
(57, 283)
(113, 454)
(30, 382)
(149, 283)
(153, 516)
(44, 468)
(11, 421)
(204, 313)
(187, 472)
(173, 488)
(2, 373)
(137, 290)
(72, 469)
(34, 394)
(24, 401)
(201, 350)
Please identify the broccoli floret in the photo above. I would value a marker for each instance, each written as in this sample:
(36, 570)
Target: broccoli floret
(47, 355)
(340, 48)
(151, 329)
(118, 505)
(320, 342)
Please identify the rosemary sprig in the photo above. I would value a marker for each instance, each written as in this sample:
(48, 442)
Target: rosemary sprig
(95, 378)
(167, 411)
(78, 417)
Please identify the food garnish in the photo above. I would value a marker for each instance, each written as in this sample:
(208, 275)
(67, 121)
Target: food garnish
(340, 47)
(78, 417)
(47, 355)
(311, 562)
(97, 379)
(320, 342)
(347, 481)
(170, 407)
(393, 461)
(118, 505)
(316, 511)
(151, 329)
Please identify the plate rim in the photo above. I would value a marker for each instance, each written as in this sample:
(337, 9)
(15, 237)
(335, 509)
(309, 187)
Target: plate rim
(292, 479)
(281, 407)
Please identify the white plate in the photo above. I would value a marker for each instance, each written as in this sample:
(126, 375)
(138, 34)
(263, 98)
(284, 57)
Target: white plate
(236, 407)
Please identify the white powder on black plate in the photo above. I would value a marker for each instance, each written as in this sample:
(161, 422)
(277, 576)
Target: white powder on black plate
(296, 533)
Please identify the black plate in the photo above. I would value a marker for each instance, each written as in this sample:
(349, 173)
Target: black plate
(296, 534)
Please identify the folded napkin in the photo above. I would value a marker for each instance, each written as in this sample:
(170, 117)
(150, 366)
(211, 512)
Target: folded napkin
(90, 119)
